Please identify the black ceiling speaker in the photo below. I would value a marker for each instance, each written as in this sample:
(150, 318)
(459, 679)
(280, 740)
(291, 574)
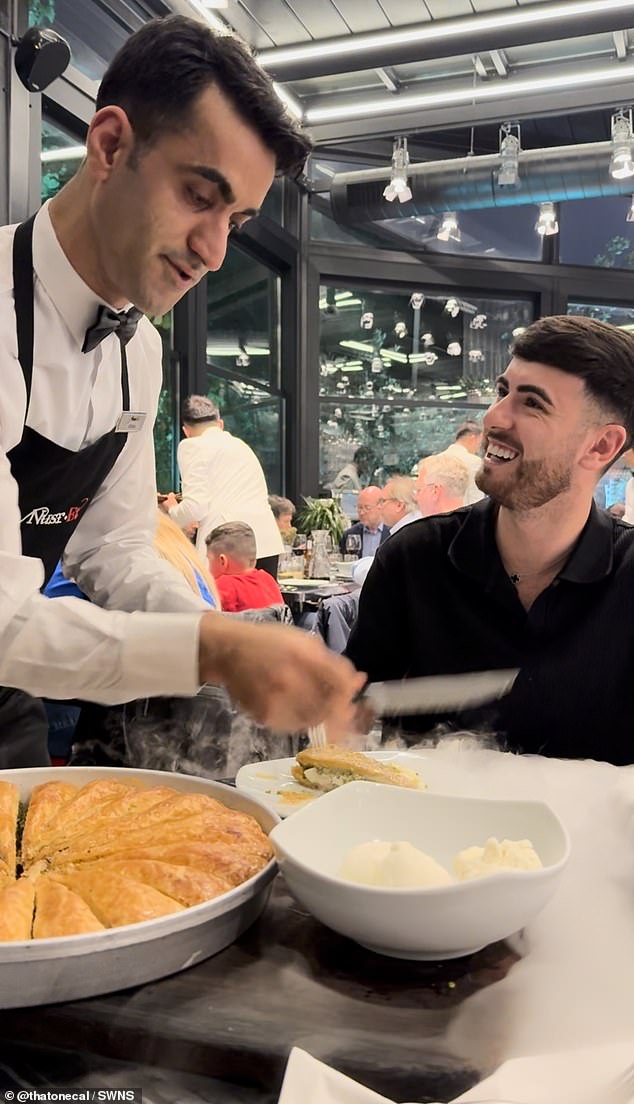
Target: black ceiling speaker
(40, 58)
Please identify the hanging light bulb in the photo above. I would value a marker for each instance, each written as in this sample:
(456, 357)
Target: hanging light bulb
(621, 162)
(547, 222)
(449, 229)
(509, 170)
(398, 187)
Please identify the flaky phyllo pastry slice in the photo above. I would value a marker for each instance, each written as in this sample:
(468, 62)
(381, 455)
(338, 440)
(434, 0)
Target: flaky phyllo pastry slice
(44, 804)
(9, 808)
(115, 899)
(16, 910)
(59, 911)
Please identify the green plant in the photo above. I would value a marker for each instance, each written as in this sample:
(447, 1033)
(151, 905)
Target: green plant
(322, 513)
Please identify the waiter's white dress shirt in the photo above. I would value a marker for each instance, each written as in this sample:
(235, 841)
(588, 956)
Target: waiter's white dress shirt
(66, 647)
(223, 480)
(473, 463)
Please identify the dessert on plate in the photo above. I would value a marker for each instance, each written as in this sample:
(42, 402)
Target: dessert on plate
(326, 768)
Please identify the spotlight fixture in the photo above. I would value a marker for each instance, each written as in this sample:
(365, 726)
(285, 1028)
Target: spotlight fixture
(398, 187)
(478, 322)
(367, 320)
(621, 162)
(449, 229)
(547, 222)
(400, 329)
(416, 300)
(452, 307)
(509, 171)
(630, 214)
(454, 348)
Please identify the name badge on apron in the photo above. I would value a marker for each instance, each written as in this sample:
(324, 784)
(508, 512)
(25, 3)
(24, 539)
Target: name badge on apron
(131, 421)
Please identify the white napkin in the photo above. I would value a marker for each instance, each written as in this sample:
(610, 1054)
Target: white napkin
(313, 1082)
(568, 1077)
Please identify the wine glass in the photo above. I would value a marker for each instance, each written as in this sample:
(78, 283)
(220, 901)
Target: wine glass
(353, 545)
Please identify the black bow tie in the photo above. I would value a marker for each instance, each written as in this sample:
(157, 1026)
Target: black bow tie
(108, 321)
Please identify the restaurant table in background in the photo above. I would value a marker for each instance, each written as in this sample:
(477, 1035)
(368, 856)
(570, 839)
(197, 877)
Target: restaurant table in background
(305, 596)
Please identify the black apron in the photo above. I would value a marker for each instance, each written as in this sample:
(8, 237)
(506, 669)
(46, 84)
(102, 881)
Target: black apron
(55, 487)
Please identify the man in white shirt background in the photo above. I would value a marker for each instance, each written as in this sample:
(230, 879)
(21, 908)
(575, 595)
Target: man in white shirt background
(398, 503)
(466, 447)
(186, 139)
(441, 484)
(222, 480)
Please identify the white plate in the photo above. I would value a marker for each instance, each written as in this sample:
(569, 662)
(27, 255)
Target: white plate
(273, 783)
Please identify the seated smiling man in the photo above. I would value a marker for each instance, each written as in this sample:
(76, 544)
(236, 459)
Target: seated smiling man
(535, 576)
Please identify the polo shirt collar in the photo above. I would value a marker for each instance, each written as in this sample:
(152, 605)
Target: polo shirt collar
(72, 298)
(474, 552)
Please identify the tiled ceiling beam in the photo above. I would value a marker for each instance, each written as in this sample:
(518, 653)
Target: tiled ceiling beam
(482, 34)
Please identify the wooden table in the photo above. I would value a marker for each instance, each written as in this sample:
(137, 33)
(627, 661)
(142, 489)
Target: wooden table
(234, 1018)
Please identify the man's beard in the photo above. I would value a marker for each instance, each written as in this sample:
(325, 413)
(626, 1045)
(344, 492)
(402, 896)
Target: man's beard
(532, 484)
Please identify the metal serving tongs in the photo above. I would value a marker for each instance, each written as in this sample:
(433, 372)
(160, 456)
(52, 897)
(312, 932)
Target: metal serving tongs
(431, 694)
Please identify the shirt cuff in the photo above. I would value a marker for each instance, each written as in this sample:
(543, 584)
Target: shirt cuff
(162, 671)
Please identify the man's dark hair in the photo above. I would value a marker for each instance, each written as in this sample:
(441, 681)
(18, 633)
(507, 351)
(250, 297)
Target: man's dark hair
(599, 354)
(468, 429)
(199, 408)
(161, 70)
(236, 539)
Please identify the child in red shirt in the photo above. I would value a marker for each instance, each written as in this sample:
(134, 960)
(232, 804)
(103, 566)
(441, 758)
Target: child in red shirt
(231, 552)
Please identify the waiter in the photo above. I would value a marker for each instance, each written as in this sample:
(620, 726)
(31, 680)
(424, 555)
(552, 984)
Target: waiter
(183, 147)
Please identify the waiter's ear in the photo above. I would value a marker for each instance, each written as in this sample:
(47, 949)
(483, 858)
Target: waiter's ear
(110, 141)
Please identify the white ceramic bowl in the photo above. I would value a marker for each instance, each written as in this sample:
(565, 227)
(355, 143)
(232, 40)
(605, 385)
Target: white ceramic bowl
(444, 922)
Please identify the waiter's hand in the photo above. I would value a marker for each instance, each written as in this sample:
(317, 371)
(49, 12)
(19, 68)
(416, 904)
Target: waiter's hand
(169, 502)
(284, 678)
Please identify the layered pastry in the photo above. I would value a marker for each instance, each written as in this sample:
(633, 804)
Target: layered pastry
(110, 853)
(326, 768)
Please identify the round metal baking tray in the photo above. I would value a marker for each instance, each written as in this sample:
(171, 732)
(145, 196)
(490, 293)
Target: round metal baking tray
(46, 971)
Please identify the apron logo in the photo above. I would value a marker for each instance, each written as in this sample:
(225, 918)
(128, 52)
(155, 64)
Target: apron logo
(41, 515)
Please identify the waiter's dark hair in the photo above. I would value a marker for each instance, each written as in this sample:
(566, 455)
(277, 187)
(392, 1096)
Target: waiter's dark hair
(161, 70)
(599, 354)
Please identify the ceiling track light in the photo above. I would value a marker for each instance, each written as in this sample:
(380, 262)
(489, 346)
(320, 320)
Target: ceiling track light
(508, 175)
(547, 223)
(398, 187)
(449, 229)
(622, 162)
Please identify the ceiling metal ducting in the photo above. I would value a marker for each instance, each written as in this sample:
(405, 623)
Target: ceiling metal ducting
(470, 183)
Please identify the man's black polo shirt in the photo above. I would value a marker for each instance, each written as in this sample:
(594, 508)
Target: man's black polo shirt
(437, 600)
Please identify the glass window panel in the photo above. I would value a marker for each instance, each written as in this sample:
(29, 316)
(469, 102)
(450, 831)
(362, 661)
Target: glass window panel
(395, 345)
(612, 485)
(257, 418)
(167, 424)
(505, 232)
(61, 156)
(93, 33)
(243, 318)
(397, 435)
(596, 232)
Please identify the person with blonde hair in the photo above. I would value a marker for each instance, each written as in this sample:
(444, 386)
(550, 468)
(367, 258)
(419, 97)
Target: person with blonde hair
(441, 484)
(172, 545)
(398, 504)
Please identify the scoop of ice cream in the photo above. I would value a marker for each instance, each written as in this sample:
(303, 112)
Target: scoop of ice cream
(476, 862)
(397, 865)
